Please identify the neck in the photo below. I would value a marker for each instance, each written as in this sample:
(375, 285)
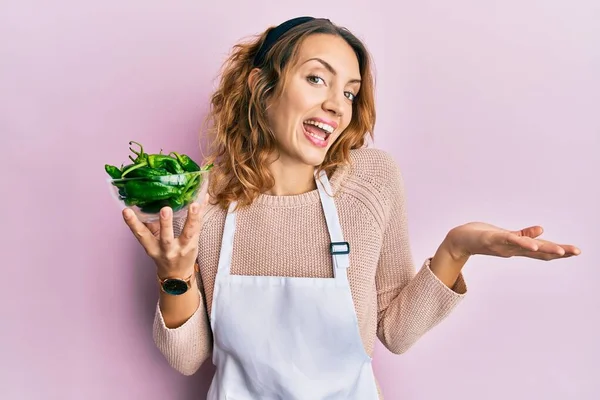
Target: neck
(291, 178)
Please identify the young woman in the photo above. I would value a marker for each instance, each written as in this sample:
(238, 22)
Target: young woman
(300, 258)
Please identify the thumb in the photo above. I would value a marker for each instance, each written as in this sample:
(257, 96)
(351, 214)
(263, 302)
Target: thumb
(531, 231)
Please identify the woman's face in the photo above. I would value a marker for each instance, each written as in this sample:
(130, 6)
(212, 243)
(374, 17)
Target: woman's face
(316, 105)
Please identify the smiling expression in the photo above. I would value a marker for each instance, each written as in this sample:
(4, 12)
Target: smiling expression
(316, 106)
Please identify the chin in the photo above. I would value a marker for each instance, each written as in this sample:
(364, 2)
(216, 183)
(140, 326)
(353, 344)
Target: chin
(313, 161)
(312, 156)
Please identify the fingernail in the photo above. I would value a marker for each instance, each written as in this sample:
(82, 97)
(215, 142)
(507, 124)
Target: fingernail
(165, 212)
(194, 208)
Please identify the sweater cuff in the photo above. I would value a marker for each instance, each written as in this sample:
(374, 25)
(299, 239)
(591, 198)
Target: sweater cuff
(452, 294)
(184, 330)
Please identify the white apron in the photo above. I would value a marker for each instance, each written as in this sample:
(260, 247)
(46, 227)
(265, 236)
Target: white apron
(288, 338)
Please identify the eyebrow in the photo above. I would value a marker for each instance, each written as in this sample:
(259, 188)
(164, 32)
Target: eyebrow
(330, 68)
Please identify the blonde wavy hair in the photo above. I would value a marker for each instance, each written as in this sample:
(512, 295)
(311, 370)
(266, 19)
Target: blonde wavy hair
(240, 140)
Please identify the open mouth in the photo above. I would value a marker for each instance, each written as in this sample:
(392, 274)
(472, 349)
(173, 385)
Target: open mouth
(317, 132)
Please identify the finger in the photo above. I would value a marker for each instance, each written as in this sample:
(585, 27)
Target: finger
(561, 249)
(140, 231)
(524, 242)
(539, 255)
(545, 256)
(166, 228)
(191, 229)
(154, 227)
(571, 250)
(551, 248)
(549, 253)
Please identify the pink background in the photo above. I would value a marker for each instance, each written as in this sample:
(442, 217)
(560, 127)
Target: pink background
(491, 108)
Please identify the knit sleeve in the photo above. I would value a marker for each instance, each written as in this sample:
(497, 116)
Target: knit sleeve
(189, 345)
(410, 302)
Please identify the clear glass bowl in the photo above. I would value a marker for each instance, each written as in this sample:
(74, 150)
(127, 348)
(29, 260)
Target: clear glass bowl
(146, 196)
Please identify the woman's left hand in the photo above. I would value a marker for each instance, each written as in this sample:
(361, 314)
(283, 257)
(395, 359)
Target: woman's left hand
(482, 238)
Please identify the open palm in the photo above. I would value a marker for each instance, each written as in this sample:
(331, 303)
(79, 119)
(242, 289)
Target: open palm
(482, 238)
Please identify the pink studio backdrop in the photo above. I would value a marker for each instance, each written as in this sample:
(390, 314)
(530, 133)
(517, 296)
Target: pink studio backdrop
(491, 108)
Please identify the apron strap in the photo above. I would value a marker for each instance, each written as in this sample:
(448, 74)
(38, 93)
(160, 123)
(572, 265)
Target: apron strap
(227, 242)
(338, 248)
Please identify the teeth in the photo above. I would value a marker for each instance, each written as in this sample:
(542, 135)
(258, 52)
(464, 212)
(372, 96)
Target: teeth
(325, 127)
(315, 136)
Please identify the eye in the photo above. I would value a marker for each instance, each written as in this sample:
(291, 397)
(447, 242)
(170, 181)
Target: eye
(315, 79)
(351, 96)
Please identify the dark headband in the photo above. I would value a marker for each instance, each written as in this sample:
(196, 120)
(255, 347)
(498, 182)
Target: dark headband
(274, 35)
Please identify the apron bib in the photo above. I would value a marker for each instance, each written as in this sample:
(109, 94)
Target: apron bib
(288, 338)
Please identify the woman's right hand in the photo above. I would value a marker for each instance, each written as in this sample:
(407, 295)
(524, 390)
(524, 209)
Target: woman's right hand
(174, 257)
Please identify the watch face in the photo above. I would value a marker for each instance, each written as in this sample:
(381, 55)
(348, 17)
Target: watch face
(175, 286)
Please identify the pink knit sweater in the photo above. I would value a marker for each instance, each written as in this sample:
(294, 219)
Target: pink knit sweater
(287, 236)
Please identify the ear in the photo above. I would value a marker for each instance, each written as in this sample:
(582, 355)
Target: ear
(252, 78)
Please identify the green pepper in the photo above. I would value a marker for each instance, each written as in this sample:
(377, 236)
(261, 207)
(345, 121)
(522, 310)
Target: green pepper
(150, 207)
(141, 156)
(147, 172)
(122, 193)
(176, 203)
(133, 167)
(186, 162)
(153, 206)
(115, 173)
(186, 195)
(149, 191)
(189, 195)
(191, 188)
(162, 161)
(112, 171)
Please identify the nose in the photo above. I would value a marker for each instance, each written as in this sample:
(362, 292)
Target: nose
(334, 104)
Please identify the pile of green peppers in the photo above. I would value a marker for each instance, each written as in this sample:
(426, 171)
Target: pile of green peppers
(160, 180)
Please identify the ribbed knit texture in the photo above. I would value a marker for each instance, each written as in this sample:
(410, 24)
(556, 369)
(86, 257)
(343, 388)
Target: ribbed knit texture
(287, 236)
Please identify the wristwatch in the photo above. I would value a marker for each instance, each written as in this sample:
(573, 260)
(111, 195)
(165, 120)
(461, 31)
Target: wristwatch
(176, 286)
